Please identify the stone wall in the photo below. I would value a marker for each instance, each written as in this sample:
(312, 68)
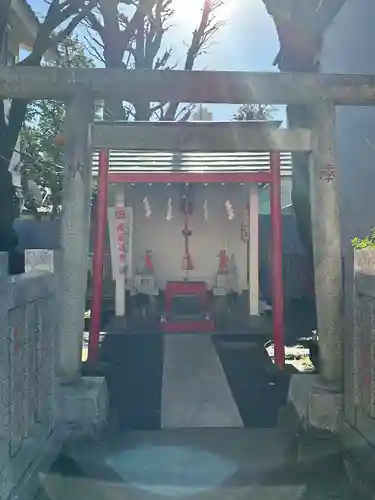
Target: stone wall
(359, 432)
(363, 397)
(29, 434)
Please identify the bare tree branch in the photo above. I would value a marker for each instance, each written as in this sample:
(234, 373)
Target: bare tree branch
(207, 29)
(155, 33)
(93, 23)
(44, 41)
(92, 49)
(185, 113)
(64, 33)
(134, 38)
(70, 12)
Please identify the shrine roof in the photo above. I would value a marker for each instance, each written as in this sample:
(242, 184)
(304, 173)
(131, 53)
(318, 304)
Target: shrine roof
(160, 162)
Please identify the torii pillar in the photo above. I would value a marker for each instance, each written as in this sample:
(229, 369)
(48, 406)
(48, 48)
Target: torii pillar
(327, 241)
(75, 223)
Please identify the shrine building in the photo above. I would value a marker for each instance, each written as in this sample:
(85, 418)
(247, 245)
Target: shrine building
(184, 227)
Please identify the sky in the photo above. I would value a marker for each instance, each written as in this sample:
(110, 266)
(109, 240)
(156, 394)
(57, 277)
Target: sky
(248, 41)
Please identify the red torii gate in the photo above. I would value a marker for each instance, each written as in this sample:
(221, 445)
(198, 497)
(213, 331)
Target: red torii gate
(271, 176)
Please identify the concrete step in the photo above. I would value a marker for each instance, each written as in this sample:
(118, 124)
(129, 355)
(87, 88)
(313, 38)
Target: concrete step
(200, 463)
(59, 488)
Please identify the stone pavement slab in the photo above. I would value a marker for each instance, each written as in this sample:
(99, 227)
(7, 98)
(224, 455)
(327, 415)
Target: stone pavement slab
(201, 464)
(195, 390)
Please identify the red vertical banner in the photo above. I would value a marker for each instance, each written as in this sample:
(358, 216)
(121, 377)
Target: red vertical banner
(277, 263)
(120, 224)
(98, 260)
(120, 237)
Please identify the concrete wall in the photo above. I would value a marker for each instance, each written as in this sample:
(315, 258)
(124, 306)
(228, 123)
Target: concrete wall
(28, 427)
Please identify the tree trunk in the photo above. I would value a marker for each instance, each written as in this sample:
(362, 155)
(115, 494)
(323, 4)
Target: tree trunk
(8, 236)
(9, 133)
(300, 27)
(113, 53)
(142, 108)
(298, 117)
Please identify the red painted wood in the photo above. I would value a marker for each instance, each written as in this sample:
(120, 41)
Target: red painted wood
(277, 264)
(191, 177)
(98, 258)
(188, 326)
(174, 288)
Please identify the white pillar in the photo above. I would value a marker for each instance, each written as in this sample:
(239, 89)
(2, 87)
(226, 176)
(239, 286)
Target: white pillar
(75, 221)
(120, 285)
(253, 250)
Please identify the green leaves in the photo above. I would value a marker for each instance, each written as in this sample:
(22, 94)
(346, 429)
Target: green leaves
(247, 112)
(367, 242)
(42, 157)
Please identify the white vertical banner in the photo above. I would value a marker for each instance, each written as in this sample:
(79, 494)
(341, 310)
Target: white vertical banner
(121, 224)
(129, 230)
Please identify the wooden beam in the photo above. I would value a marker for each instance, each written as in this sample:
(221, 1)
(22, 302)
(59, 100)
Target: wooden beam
(189, 177)
(188, 86)
(198, 136)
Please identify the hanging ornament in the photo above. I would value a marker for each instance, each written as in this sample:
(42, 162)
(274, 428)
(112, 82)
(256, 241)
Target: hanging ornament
(205, 209)
(147, 206)
(187, 199)
(245, 226)
(187, 261)
(229, 208)
(169, 210)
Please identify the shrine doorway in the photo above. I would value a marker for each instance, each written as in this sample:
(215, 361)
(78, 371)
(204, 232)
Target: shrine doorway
(249, 180)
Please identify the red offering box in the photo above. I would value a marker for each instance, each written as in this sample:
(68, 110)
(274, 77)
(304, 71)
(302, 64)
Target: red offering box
(196, 296)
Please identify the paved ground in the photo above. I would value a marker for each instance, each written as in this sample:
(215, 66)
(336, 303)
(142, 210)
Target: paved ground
(195, 390)
(138, 460)
(184, 463)
(135, 367)
(200, 464)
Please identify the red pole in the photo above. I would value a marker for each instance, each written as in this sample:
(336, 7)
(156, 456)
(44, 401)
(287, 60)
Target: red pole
(277, 264)
(97, 279)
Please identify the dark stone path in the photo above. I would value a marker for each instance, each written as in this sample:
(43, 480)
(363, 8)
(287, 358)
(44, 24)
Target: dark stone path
(258, 389)
(134, 369)
(133, 366)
